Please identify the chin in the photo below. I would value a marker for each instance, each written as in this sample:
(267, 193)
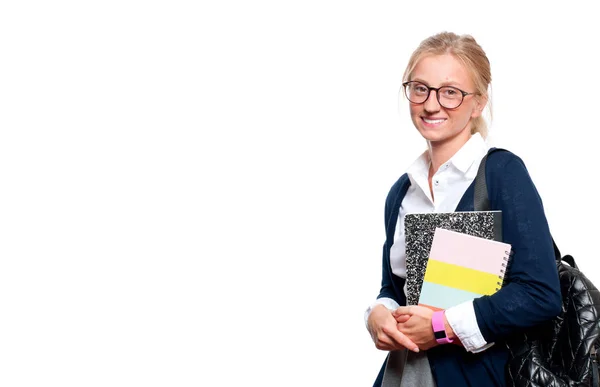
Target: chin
(433, 135)
(444, 138)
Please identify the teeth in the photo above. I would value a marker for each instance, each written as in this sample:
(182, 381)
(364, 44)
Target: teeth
(433, 121)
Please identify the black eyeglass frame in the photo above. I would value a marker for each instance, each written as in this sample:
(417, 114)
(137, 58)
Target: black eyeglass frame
(437, 94)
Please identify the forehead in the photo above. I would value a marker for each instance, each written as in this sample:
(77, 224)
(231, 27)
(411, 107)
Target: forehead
(437, 70)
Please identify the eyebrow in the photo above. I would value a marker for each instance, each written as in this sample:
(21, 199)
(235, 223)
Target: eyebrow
(452, 83)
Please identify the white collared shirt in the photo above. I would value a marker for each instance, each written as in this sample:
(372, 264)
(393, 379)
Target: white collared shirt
(449, 184)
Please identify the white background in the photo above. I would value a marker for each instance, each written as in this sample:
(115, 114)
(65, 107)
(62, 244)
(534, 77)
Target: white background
(191, 194)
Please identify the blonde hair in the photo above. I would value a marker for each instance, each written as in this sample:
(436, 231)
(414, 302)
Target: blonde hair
(470, 53)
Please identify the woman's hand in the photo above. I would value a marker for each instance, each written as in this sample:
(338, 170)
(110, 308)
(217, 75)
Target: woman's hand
(415, 323)
(384, 332)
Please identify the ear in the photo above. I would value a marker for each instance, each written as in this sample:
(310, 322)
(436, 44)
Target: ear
(479, 106)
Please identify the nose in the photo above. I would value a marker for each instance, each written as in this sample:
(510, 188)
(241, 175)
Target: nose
(431, 104)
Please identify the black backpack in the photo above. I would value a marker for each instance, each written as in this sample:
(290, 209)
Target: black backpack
(561, 352)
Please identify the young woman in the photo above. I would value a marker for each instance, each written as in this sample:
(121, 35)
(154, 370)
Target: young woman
(446, 83)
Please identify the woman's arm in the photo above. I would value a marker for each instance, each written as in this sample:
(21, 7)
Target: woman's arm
(379, 320)
(532, 294)
(391, 285)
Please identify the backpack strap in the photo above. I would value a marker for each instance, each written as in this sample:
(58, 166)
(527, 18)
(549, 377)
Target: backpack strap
(481, 201)
(595, 376)
(570, 260)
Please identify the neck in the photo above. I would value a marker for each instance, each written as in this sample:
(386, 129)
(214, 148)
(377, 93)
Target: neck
(442, 151)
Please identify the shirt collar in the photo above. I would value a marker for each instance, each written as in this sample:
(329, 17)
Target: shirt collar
(473, 150)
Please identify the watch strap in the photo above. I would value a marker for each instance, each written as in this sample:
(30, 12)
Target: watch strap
(439, 330)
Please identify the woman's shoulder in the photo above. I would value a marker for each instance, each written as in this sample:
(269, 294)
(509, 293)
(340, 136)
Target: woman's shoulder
(397, 188)
(397, 191)
(498, 159)
(399, 184)
(505, 170)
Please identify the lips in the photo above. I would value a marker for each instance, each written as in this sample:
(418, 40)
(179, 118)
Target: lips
(433, 121)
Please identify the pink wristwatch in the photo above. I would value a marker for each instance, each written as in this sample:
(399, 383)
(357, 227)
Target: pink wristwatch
(439, 331)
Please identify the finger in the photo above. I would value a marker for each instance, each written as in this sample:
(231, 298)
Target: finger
(401, 339)
(385, 346)
(402, 310)
(384, 342)
(402, 318)
(403, 328)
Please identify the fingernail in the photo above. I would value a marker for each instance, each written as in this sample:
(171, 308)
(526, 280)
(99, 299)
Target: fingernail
(416, 349)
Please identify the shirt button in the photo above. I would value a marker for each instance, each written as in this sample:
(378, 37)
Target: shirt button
(437, 182)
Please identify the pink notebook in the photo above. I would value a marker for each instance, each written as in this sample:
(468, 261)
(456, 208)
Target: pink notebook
(462, 267)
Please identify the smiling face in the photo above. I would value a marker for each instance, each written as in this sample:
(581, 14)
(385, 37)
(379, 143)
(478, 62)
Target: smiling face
(437, 124)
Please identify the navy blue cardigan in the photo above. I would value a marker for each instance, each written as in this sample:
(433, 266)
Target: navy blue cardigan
(532, 294)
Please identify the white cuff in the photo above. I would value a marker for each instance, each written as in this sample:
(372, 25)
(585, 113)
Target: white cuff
(387, 302)
(464, 323)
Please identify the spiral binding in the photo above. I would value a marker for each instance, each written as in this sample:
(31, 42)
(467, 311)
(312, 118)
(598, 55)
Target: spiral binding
(505, 268)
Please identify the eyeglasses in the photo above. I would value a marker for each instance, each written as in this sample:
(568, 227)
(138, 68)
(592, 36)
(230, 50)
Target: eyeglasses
(448, 97)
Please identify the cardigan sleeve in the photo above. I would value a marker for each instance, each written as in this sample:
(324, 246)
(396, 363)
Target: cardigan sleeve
(532, 293)
(387, 288)
(391, 284)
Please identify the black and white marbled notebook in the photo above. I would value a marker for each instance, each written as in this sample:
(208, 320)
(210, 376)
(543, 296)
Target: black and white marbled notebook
(420, 228)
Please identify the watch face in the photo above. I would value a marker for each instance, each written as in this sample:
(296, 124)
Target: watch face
(439, 334)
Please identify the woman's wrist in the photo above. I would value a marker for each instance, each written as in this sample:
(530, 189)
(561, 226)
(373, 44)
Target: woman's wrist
(439, 325)
(449, 331)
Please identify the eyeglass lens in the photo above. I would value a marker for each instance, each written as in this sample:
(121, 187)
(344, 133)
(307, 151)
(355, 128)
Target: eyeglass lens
(448, 96)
